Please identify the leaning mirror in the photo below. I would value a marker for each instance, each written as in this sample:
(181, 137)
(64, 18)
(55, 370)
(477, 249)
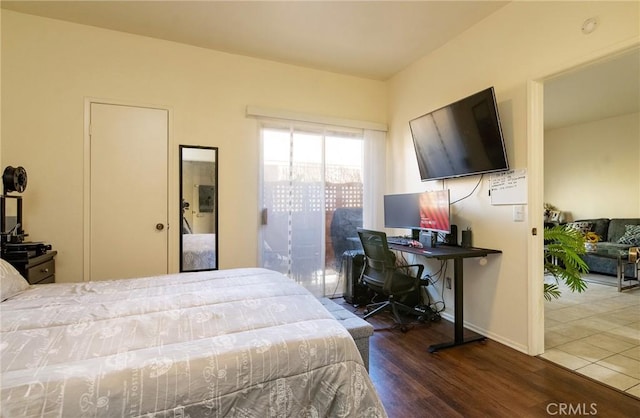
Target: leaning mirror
(198, 208)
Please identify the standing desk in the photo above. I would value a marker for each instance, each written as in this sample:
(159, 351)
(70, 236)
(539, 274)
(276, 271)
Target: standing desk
(457, 254)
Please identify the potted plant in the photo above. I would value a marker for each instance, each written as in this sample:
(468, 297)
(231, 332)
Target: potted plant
(562, 250)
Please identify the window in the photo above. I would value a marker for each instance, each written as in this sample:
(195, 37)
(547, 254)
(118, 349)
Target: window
(313, 200)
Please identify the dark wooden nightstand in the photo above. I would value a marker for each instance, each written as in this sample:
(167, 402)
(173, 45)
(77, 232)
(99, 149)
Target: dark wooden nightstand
(37, 270)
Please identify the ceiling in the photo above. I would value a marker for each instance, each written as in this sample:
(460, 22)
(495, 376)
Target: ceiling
(598, 91)
(371, 39)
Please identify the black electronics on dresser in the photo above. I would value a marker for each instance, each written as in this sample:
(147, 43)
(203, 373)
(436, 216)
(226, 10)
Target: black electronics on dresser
(24, 250)
(33, 260)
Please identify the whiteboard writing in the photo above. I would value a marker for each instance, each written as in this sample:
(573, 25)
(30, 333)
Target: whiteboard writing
(509, 188)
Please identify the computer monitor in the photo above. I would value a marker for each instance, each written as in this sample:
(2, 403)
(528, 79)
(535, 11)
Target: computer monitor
(428, 211)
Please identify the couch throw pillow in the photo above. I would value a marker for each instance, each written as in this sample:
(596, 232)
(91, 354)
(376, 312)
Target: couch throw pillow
(631, 235)
(583, 227)
(11, 282)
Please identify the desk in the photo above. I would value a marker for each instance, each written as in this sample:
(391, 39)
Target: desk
(457, 254)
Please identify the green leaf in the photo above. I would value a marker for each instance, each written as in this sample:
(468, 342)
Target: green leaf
(562, 259)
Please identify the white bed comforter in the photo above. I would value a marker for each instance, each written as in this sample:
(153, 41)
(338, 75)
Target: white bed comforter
(229, 343)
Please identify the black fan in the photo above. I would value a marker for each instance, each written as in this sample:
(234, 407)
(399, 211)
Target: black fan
(14, 179)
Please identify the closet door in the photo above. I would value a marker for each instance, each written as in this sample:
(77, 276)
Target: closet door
(128, 203)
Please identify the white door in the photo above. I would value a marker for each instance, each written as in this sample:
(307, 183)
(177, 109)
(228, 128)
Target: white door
(128, 203)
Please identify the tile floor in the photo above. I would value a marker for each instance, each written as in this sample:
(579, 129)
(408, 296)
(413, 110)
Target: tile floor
(596, 333)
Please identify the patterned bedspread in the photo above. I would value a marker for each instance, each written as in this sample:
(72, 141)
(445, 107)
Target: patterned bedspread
(228, 343)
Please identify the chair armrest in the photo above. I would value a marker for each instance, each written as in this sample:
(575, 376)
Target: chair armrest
(407, 267)
(404, 274)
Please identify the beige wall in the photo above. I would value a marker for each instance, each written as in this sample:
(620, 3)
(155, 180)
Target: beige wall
(591, 169)
(49, 67)
(520, 42)
(1, 90)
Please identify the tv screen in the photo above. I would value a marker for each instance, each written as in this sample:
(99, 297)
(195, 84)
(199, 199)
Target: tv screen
(461, 139)
(428, 211)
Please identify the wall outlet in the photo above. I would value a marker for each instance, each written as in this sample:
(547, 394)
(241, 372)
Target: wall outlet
(448, 282)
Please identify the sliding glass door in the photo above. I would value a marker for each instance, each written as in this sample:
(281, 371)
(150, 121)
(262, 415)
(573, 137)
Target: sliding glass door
(311, 201)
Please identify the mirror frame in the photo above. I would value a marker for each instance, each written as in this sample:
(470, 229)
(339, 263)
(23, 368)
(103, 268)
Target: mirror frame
(215, 205)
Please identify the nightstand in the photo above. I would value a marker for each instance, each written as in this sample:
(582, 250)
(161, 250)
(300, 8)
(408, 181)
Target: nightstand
(37, 270)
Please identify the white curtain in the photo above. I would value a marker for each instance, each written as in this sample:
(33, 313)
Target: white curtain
(374, 178)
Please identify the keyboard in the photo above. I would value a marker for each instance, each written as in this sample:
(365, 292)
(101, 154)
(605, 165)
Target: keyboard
(399, 240)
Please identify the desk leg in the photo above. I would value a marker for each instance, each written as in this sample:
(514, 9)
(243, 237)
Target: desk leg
(458, 310)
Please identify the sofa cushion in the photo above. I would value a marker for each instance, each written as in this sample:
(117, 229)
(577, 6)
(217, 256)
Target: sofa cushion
(618, 227)
(600, 226)
(631, 235)
(583, 227)
(613, 246)
(606, 265)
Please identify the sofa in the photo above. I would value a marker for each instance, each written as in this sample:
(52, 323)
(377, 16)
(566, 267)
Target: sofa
(616, 233)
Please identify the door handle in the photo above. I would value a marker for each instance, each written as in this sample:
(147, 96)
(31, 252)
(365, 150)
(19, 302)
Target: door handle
(159, 226)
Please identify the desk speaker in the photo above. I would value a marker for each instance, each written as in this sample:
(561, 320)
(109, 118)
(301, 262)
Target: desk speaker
(452, 237)
(466, 238)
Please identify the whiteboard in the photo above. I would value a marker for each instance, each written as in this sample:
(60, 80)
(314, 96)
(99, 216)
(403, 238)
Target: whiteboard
(509, 188)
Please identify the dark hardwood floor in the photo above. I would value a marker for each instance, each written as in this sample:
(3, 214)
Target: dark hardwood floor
(481, 379)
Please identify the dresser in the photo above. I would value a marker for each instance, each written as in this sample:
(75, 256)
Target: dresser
(39, 269)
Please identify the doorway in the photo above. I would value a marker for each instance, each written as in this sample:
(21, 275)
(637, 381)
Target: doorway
(126, 230)
(582, 331)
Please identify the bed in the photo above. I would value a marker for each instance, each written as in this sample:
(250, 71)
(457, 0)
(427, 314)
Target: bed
(198, 251)
(229, 343)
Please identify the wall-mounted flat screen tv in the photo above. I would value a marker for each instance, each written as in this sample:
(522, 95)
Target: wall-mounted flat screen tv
(460, 139)
(428, 211)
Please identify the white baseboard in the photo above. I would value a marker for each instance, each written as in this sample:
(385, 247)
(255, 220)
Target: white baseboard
(491, 335)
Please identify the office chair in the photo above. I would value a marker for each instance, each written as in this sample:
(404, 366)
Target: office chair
(380, 273)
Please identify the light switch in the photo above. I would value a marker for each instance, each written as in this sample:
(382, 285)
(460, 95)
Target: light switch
(518, 213)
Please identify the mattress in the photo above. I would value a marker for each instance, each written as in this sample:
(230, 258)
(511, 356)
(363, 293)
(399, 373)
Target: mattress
(226, 343)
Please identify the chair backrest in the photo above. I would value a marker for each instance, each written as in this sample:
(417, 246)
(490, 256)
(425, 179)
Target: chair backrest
(344, 225)
(379, 260)
(381, 272)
